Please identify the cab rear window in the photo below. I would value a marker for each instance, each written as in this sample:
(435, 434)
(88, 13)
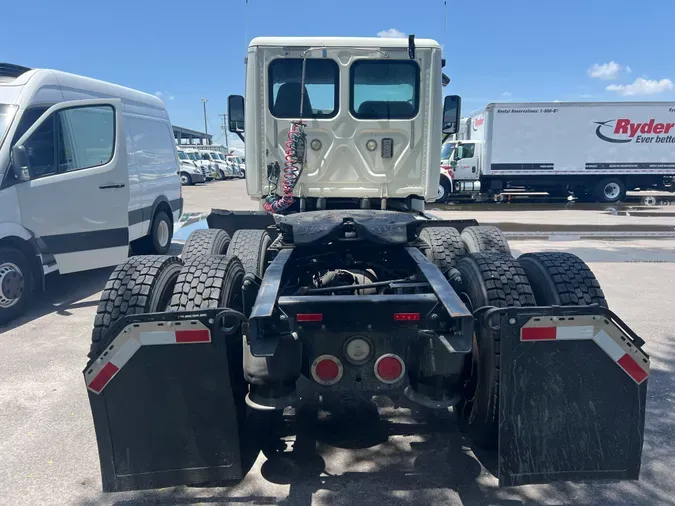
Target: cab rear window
(320, 98)
(383, 89)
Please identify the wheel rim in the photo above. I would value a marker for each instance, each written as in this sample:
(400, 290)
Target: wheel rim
(184, 179)
(612, 190)
(441, 192)
(163, 233)
(12, 285)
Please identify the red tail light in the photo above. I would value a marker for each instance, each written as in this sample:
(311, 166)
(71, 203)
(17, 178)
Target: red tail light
(327, 370)
(389, 368)
(406, 317)
(309, 317)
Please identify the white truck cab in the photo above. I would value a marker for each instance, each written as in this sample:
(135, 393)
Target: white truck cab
(371, 109)
(86, 168)
(190, 172)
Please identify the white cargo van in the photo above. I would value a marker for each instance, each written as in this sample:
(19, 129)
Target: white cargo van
(596, 150)
(86, 168)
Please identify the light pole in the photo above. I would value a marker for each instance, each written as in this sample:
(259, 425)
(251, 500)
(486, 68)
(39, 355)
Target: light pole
(206, 128)
(224, 116)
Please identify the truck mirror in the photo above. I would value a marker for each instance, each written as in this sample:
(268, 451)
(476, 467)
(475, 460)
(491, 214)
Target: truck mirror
(451, 114)
(20, 163)
(235, 113)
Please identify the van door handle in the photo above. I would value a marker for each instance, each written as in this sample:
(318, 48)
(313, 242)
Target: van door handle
(112, 185)
(473, 169)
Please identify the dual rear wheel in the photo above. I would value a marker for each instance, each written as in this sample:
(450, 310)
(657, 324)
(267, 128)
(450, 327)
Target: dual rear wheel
(490, 276)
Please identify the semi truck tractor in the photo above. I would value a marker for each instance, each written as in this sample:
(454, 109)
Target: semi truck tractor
(341, 286)
(596, 150)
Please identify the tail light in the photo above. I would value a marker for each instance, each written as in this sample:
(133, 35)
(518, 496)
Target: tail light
(327, 370)
(389, 368)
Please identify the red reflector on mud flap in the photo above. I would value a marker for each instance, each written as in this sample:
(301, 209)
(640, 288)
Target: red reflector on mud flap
(538, 333)
(632, 368)
(309, 317)
(99, 373)
(193, 336)
(103, 377)
(605, 334)
(406, 317)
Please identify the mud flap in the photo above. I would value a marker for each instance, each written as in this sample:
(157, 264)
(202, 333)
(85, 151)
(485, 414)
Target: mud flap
(572, 395)
(163, 404)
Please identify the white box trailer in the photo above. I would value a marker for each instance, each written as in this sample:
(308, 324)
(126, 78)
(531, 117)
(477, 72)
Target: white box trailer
(596, 150)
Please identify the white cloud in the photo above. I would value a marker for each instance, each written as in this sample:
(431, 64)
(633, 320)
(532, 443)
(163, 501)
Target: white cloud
(392, 33)
(607, 71)
(642, 86)
(172, 97)
(628, 69)
(507, 94)
(159, 94)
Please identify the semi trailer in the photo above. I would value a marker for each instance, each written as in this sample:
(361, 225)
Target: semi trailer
(342, 283)
(594, 150)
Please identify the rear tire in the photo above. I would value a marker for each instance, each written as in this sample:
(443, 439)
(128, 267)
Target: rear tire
(207, 282)
(205, 243)
(250, 246)
(485, 239)
(488, 279)
(610, 190)
(445, 246)
(143, 284)
(561, 279)
(17, 283)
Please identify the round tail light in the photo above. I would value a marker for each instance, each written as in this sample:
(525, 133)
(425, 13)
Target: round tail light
(327, 370)
(389, 368)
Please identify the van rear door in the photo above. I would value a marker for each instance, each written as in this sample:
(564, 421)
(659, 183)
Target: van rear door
(76, 198)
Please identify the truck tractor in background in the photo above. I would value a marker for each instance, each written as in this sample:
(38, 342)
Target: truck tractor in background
(343, 286)
(595, 151)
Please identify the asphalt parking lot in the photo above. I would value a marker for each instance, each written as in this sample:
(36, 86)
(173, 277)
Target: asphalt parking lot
(48, 449)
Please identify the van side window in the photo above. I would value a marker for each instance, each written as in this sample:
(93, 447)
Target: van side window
(29, 117)
(40, 150)
(86, 137)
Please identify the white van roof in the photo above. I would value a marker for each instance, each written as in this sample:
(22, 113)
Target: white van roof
(366, 42)
(25, 85)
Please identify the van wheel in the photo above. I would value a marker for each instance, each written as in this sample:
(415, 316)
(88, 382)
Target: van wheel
(143, 284)
(610, 190)
(16, 283)
(161, 233)
(185, 179)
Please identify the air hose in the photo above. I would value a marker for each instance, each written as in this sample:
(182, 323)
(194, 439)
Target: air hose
(294, 157)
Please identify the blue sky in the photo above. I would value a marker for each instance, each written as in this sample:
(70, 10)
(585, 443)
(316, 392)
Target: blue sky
(515, 50)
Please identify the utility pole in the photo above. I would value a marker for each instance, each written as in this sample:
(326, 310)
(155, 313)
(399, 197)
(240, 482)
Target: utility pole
(224, 127)
(206, 128)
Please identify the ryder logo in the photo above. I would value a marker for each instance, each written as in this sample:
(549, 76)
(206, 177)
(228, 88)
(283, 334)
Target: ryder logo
(478, 122)
(625, 130)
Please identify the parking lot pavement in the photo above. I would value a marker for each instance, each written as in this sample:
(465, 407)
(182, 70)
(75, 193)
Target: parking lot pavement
(48, 447)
